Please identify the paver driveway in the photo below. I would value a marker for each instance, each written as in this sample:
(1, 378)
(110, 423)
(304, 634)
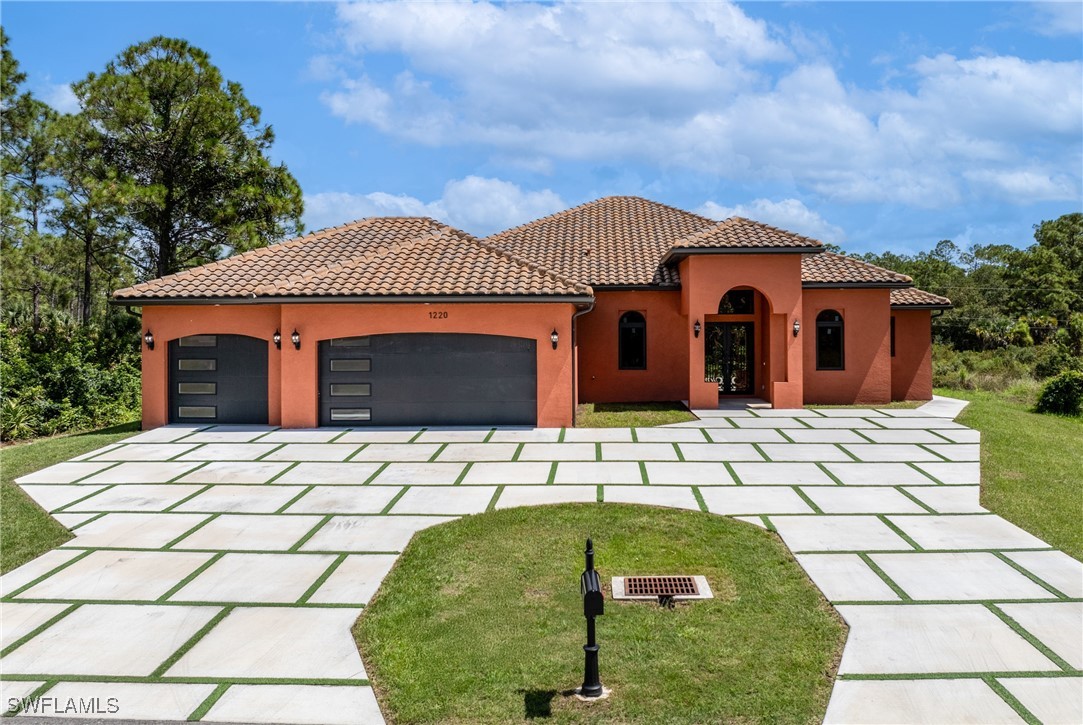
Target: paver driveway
(216, 572)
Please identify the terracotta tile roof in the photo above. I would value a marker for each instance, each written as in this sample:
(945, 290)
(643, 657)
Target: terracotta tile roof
(740, 233)
(831, 268)
(914, 297)
(618, 240)
(369, 257)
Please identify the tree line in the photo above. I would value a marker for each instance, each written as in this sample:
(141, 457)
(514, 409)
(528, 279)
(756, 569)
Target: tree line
(165, 166)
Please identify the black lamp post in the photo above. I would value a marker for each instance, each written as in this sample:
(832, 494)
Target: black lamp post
(295, 338)
(696, 328)
(590, 584)
(554, 338)
(148, 338)
(277, 337)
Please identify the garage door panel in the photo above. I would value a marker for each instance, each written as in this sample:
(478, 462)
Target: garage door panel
(429, 379)
(218, 379)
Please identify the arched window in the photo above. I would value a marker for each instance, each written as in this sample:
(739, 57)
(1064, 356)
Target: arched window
(632, 342)
(829, 341)
(737, 302)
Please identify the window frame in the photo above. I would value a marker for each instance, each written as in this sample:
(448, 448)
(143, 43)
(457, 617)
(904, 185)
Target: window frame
(839, 324)
(626, 322)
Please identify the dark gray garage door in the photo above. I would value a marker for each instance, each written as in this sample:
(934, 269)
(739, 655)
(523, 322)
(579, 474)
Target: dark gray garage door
(218, 379)
(428, 379)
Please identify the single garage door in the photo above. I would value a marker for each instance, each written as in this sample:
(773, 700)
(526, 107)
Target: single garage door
(428, 379)
(218, 379)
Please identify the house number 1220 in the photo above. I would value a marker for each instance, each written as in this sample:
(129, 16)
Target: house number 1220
(438, 315)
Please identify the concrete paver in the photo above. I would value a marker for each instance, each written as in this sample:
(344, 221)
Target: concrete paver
(134, 700)
(298, 705)
(255, 578)
(1053, 567)
(276, 642)
(912, 638)
(541, 495)
(948, 702)
(1051, 699)
(961, 575)
(119, 575)
(109, 639)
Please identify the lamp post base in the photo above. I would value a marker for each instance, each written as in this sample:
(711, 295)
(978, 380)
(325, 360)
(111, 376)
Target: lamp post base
(592, 698)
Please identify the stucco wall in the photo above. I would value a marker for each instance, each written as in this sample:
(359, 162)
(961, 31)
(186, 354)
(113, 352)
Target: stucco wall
(867, 374)
(912, 366)
(293, 374)
(600, 378)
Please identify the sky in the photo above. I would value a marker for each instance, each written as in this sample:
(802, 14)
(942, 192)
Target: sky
(878, 126)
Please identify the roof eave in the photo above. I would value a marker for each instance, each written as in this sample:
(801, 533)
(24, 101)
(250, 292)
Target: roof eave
(330, 299)
(922, 307)
(677, 252)
(858, 285)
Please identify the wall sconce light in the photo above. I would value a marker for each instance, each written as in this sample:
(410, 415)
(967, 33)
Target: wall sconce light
(796, 327)
(295, 338)
(148, 337)
(554, 338)
(277, 337)
(696, 328)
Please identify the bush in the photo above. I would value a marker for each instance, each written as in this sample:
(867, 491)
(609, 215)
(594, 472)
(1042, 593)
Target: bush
(1062, 394)
(60, 377)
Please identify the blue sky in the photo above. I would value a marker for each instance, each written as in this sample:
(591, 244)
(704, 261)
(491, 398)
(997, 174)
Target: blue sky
(872, 125)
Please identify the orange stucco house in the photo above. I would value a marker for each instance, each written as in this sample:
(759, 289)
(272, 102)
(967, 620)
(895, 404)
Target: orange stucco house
(406, 321)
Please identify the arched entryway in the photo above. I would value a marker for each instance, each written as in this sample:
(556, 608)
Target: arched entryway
(736, 347)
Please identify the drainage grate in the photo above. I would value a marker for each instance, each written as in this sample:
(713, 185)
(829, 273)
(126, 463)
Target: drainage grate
(660, 586)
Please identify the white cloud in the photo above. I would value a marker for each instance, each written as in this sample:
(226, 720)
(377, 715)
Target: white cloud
(474, 204)
(703, 87)
(1030, 184)
(789, 214)
(1058, 18)
(61, 97)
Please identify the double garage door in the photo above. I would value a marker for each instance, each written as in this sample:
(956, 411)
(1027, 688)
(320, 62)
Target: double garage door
(376, 380)
(428, 379)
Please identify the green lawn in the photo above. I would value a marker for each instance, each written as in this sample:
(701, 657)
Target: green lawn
(481, 621)
(628, 415)
(26, 531)
(1032, 466)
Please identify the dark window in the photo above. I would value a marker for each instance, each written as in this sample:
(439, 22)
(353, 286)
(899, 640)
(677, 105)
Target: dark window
(736, 302)
(892, 336)
(633, 342)
(829, 345)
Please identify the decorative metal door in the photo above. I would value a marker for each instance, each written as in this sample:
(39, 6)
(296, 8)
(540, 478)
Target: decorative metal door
(728, 357)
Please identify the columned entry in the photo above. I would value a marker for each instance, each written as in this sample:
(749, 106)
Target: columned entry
(729, 357)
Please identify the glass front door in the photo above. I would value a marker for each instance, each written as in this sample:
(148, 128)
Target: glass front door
(728, 357)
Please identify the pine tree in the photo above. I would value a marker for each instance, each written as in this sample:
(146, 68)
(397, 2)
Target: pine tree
(191, 153)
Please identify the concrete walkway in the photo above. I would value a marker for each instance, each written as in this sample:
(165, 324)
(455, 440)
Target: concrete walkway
(215, 573)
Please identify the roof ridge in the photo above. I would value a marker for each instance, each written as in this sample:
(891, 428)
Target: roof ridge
(575, 284)
(594, 202)
(734, 221)
(380, 251)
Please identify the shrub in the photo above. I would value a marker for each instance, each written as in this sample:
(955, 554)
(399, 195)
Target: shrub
(1062, 394)
(60, 377)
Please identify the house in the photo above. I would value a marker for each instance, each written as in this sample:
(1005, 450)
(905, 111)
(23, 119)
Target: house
(407, 321)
